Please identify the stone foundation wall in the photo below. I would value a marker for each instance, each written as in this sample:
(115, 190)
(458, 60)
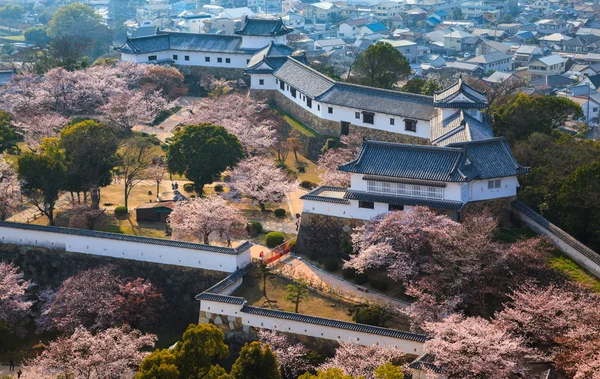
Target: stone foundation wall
(197, 77)
(323, 236)
(223, 322)
(497, 208)
(382, 135)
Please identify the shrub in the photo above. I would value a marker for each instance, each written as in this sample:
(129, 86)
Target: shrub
(379, 285)
(292, 244)
(291, 173)
(313, 185)
(305, 184)
(274, 239)
(346, 247)
(108, 204)
(120, 211)
(301, 169)
(218, 188)
(361, 278)
(370, 315)
(331, 264)
(254, 228)
(189, 187)
(149, 192)
(348, 273)
(279, 212)
(281, 165)
(226, 178)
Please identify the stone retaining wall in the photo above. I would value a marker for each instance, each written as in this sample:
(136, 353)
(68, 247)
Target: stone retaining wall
(224, 322)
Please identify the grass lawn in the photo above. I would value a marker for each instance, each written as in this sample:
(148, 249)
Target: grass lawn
(299, 126)
(311, 169)
(570, 269)
(316, 305)
(512, 233)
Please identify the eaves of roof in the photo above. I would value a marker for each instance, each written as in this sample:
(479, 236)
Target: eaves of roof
(404, 200)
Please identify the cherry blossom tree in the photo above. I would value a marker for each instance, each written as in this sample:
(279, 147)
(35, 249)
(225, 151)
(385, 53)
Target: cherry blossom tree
(112, 353)
(35, 126)
(10, 192)
(14, 306)
(200, 217)
(80, 216)
(291, 355)
(128, 109)
(157, 172)
(361, 361)
(96, 299)
(461, 266)
(333, 158)
(259, 179)
(579, 352)
(241, 115)
(475, 348)
(138, 302)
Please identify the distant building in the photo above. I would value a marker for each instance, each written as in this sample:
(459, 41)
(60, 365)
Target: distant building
(496, 61)
(545, 66)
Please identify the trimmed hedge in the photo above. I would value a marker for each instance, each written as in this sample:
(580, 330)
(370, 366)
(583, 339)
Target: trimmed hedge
(279, 212)
(348, 273)
(120, 211)
(306, 184)
(292, 244)
(189, 187)
(274, 239)
(331, 264)
(218, 188)
(361, 278)
(369, 316)
(254, 228)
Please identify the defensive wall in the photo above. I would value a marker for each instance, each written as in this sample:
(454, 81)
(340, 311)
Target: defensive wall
(578, 252)
(124, 246)
(231, 313)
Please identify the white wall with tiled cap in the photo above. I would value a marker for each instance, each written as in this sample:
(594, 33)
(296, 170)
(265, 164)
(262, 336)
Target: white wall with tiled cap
(115, 248)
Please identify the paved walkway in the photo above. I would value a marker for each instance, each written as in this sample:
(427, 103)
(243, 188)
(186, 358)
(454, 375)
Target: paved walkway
(4, 370)
(296, 267)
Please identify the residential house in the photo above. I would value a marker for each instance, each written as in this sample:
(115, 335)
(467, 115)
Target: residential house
(582, 70)
(499, 77)
(407, 48)
(490, 34)
(587, 31)
(459, 40)
(395, 22)
(350, 29)
(511, 28)
(329, 44)
(496, 61)
(545, 66)
(582, 43)
(593, 81)
(487, 47)
(387, 9)
(549, 85)
(373, 28)
(551, 26)
(526, 53)
(191, 22)
(6, 75)
(470, 69)
(322, 12)
(588, 10)
(554, 39)
(294, 21)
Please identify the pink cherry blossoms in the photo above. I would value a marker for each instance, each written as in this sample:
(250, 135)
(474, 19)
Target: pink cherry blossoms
(291, 355)
(335, 157)
(198, 218)
(14, 306)
(362, 361)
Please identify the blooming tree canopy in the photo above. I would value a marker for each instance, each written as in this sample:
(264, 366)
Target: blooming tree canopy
(335, 157)
(200, 217)
(14, 306)
(10, 193)
(241, 115)
(259, 179)
(111, 353)
(361, 361)
(474, 348)
(291, 355)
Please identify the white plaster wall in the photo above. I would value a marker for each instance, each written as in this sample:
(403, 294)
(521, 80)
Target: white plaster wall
(196, 58)
(381, 121)
(316, 109)
(258, 42)
(451, 191)
(478, 189)
(330, 333)
(269, 81)
(344, 210)
(126, 249)
(221, 308)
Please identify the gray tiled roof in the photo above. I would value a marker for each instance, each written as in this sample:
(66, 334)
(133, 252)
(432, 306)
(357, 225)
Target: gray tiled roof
(263, 27)
(460, 127)
(128, 238)
(303, 78)
(6, 75)
(380, 100)
(460, 162)
(229, 280)
(335, 323)
(477, 98)
(221, 298)
(216, 43)
(425, 362)
(316, 195)
(403, 200)
(273, 56)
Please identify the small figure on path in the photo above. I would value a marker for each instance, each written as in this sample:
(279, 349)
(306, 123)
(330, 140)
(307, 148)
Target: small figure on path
(228, 239)
(11, 365)
(19, 373)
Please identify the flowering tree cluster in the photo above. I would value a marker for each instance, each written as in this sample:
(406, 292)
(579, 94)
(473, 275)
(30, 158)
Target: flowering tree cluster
(474, 348)
(14, 306)
(241, 115)
(291, 355)
(362, 361)
(334, 157)
(259, 179)
(448, 266)
(10, 191)
(200, 217)
(97, 299)
(111, 353)
(41, 105)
